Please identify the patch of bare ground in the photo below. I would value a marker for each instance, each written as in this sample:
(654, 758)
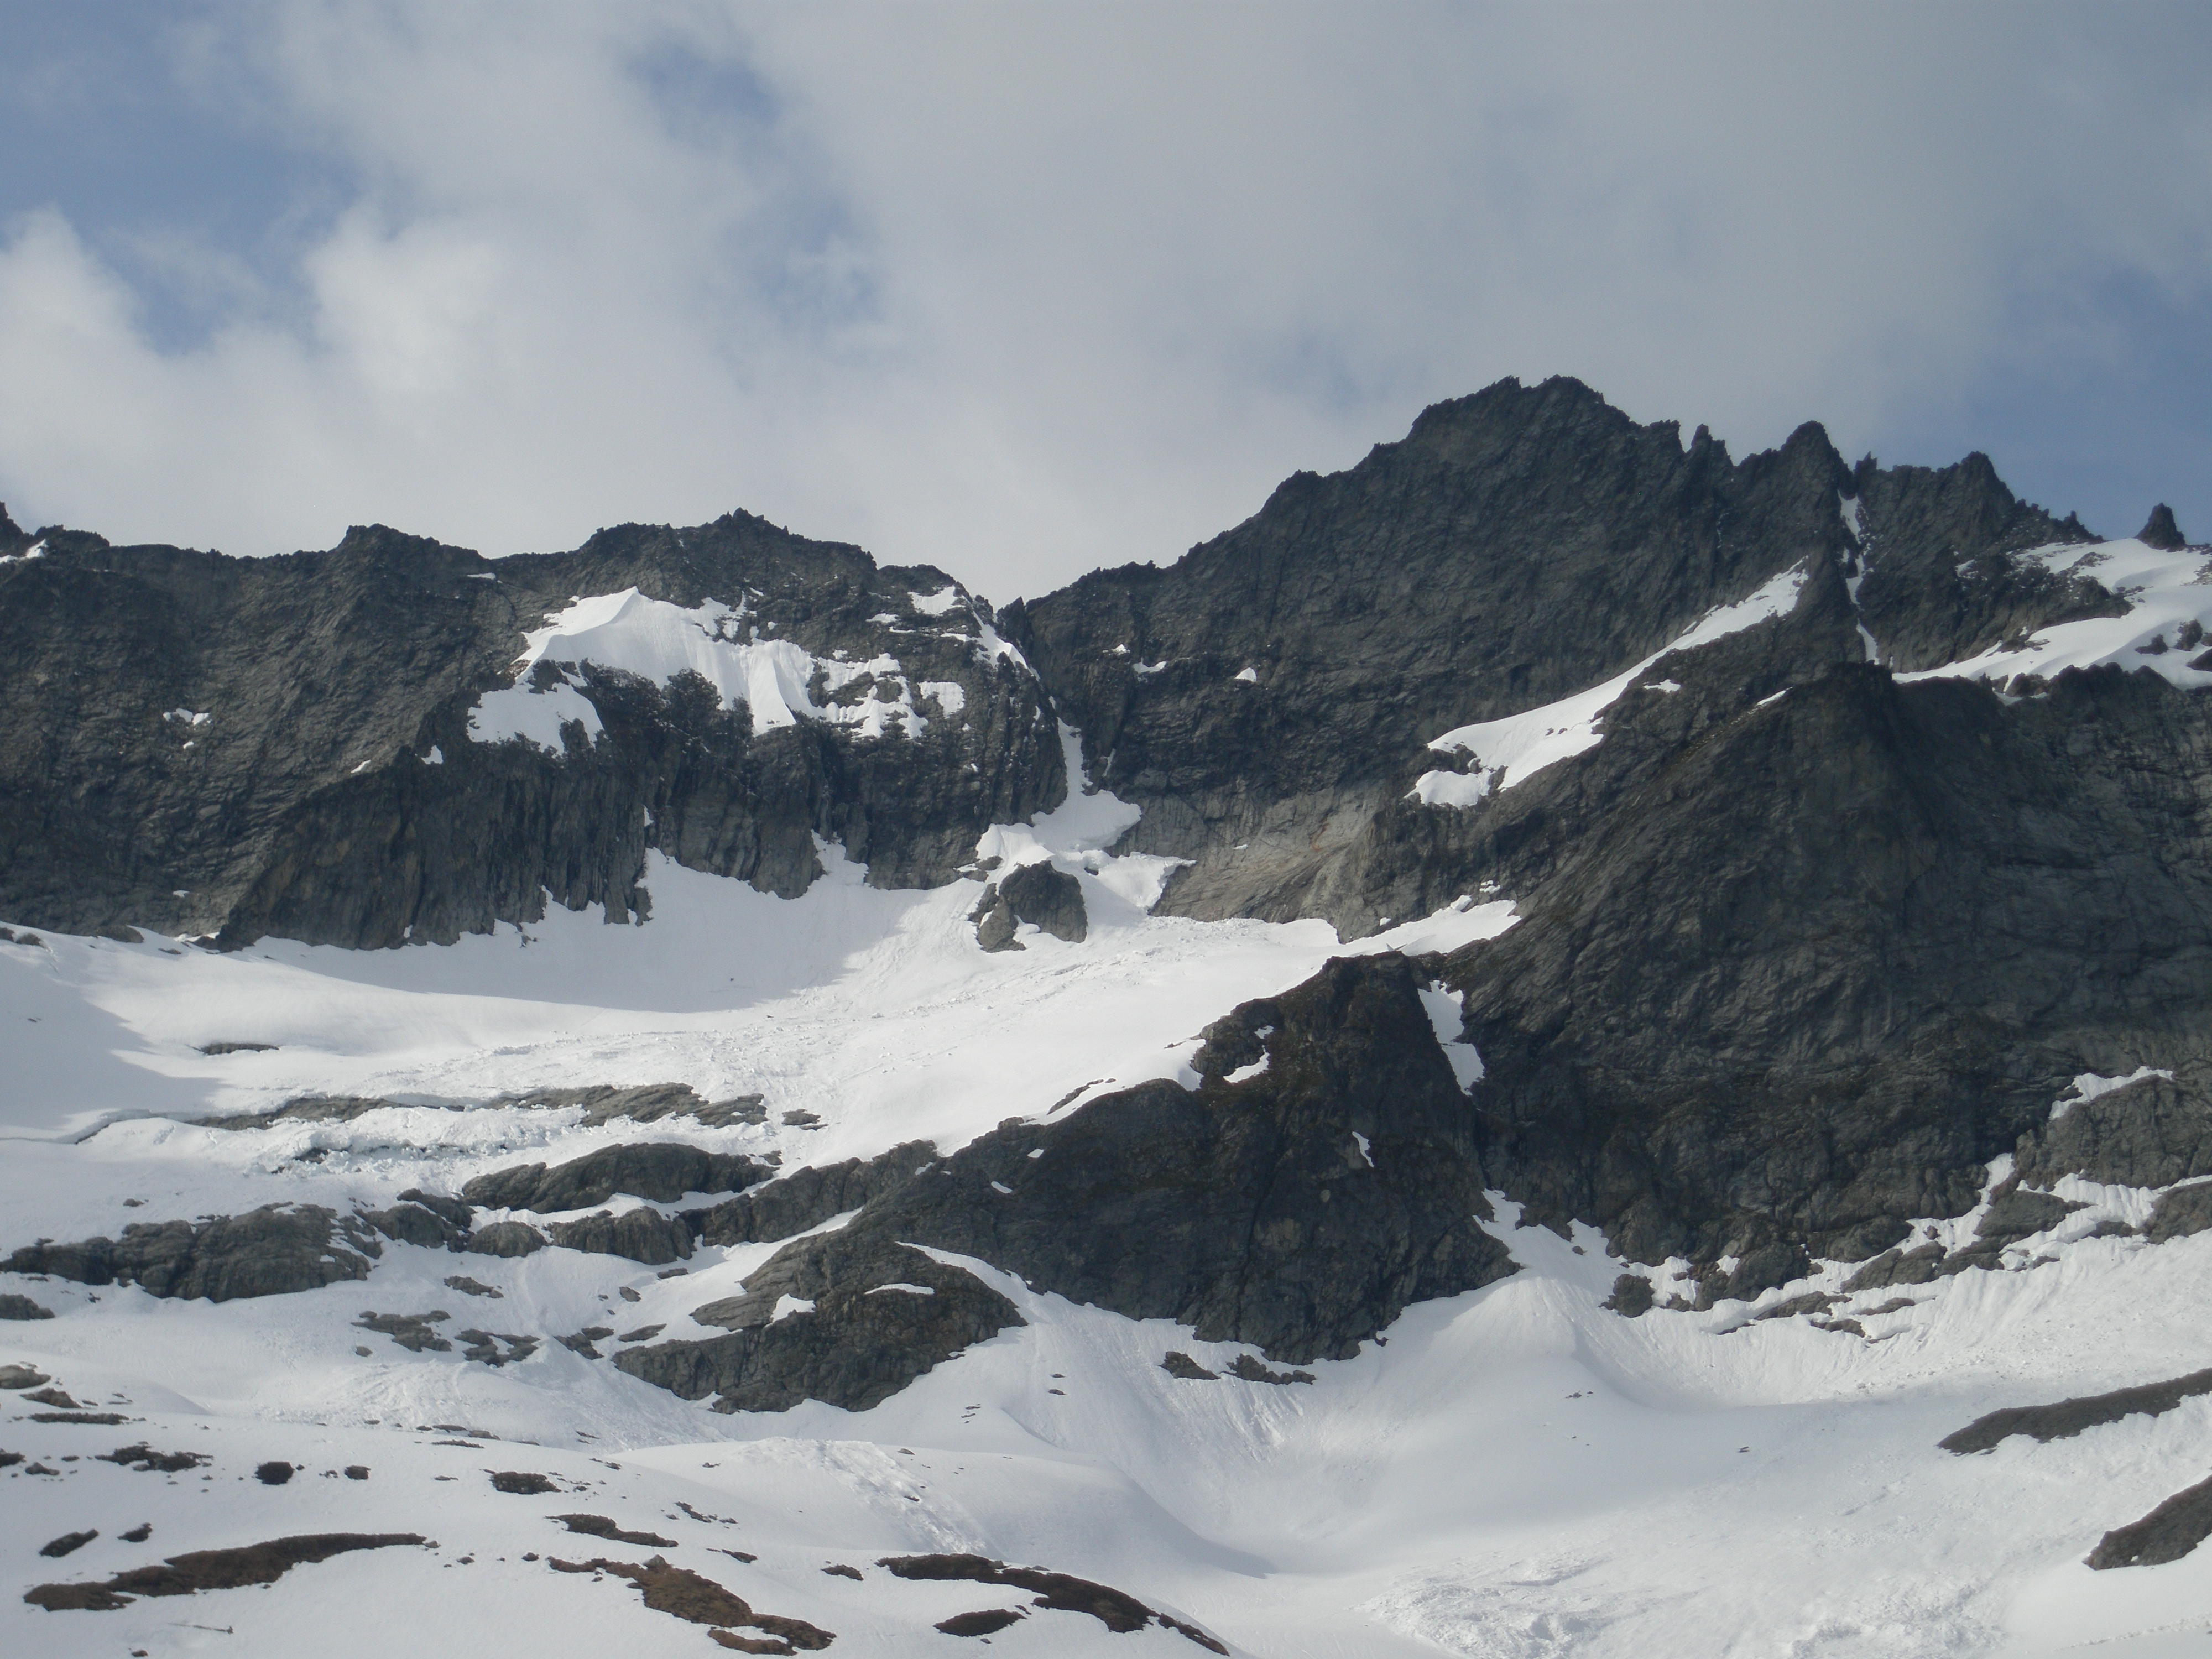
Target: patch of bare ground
(988, 1622)
(692, 1597)
(211, 1569)
(1117, 1610)
(147, 1461)
(598, 1526)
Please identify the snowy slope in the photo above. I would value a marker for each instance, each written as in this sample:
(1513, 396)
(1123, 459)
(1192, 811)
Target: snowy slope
(1515, 1471)
(2168, 602)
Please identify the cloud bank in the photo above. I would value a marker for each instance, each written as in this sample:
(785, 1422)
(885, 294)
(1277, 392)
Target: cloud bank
(1021, 290)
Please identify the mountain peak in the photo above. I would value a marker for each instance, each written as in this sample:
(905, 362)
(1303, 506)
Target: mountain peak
(2160, 531)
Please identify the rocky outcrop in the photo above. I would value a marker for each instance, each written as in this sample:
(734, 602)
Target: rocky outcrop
(662, 1171)
(2150, 1133)
(1299, 1210)
(849, 1320)
(2159, 529)
(643, 1236)
(2169, 1532)
(286, 741)
(808, 1197)
(2067, 1418)
(271, 1251)
(1048, 899)
(2181, 1213)
(505, 1238)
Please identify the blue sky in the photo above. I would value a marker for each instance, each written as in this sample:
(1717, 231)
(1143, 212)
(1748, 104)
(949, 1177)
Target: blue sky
(1022, 290)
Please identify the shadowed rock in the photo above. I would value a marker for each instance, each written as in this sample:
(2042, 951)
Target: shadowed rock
(2160, 532)
(270, 1251)
(2179, 1213)
(643, 1236)
(505, 1238)
(2169, 1532)
(105, 813)
(849, 1341)
(1251, 1212)
(659, 1170)
(808, 1197)
(2067, 1418)
(1049, 899)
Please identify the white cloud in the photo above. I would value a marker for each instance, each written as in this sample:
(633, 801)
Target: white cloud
(1020, 290)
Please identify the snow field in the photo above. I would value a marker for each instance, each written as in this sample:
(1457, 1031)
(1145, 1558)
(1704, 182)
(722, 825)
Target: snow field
(1513, 1472)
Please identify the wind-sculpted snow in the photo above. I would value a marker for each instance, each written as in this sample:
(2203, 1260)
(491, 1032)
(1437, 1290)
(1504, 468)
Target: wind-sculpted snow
(775, 679)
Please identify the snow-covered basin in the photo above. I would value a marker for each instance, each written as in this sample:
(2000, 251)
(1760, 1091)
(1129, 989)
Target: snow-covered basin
(1513, 1472)
(872, 1010)
(1517, 1472)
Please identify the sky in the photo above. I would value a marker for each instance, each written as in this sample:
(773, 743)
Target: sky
(1020, 290)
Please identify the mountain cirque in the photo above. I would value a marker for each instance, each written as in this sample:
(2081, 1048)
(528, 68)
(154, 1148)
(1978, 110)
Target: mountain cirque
(1549, 878)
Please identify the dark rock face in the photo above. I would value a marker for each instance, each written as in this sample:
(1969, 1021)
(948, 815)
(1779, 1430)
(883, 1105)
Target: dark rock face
(2167, 1534)
(645, 1236)
(22, 1307)
(1248, 1211)
(1739, 1014)
(862, 1338)
(113, 794)
(1300, 1210)
(1517, 546)
(806, 1198)
(1632, 1295)
(417, 1224)
(271, 1251)
(2068, 1418)
(2150, 1133)
(659, 1170)
(994, 921)
(1049, 899)
(2178, 1214)
(506, 1239)
(2020, 1214)
(1942, 577)
(2159, 529)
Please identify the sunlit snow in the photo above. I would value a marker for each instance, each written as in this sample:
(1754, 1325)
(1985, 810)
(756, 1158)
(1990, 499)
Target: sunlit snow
(1505, 753)
(2169, 600)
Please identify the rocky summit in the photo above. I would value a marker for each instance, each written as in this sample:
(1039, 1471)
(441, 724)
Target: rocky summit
(1552, 1009)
